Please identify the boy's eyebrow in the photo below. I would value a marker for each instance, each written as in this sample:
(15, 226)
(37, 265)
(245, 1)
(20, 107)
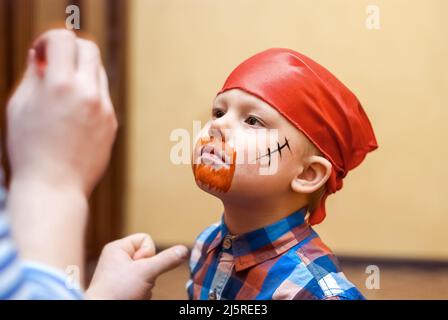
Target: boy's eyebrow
(219, 101)
(262, 110)
(245, 103)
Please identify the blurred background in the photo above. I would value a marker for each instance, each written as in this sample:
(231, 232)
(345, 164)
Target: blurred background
(166, 59)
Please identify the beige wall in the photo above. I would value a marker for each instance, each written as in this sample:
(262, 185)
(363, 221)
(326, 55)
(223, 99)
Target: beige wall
(180, 53)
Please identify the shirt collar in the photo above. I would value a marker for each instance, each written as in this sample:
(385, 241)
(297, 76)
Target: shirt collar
(265, 243)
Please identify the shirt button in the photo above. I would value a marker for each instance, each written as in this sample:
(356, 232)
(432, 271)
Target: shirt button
(212, 295)
(227, 244)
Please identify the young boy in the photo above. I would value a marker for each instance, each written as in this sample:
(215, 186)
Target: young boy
(264, 247)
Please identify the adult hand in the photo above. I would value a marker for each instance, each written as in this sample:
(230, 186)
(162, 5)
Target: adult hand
(61, 122)
(61, 126)
(128, 268)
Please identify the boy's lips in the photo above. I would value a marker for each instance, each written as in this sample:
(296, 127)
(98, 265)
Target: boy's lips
(214, 155)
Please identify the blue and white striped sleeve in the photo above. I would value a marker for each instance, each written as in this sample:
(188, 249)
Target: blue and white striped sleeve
(23, 280)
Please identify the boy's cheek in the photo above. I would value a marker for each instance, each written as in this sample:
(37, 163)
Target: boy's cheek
(252, 177)
(252, 169)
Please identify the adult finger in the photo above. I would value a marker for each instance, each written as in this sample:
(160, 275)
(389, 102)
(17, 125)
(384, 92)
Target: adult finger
(88, 70)
(26, 85)
(56, 51)
(104, 90)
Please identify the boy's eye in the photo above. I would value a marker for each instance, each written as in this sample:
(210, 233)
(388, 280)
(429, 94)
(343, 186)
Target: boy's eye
(253, 121)
(217, 113)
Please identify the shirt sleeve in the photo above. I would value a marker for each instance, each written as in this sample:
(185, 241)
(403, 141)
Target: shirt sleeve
(23, 280)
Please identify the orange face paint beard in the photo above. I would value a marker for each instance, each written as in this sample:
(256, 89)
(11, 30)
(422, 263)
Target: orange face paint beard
(215, 179)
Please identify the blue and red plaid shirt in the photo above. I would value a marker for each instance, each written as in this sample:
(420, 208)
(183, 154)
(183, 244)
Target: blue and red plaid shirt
(285, 260)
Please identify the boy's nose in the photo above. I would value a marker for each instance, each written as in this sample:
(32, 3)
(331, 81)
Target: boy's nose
(217, 133)
(219, 128)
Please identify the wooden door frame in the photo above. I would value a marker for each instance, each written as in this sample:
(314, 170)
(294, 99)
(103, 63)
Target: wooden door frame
(15, 36)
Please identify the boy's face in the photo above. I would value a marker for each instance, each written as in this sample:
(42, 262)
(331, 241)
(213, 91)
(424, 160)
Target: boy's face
(247, 150)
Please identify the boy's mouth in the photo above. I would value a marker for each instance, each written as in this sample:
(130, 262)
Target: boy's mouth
(211, 155)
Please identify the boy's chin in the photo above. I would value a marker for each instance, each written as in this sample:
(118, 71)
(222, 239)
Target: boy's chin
(213, 180)
(214, 190)
(236, 192)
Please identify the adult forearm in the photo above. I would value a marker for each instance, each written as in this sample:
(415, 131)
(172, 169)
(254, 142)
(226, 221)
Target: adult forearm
(48, 222)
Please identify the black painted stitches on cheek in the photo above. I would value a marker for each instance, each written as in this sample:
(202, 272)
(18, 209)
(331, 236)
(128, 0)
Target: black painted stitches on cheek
(279, 150)
(269, 154)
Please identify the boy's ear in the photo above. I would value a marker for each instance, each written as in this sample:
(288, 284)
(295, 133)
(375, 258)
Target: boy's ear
(314, 174)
